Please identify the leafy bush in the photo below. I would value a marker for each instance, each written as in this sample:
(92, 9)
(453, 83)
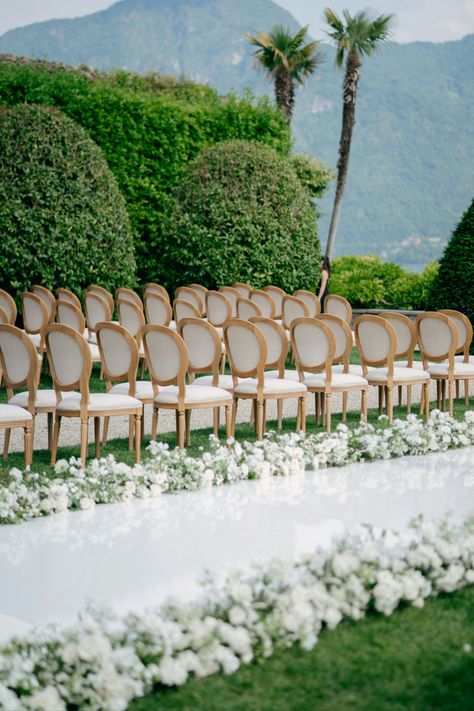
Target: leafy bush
(369, 283)
(63, 219)
(313, 174)
(454, 286)
(148, 128)
(241, 214)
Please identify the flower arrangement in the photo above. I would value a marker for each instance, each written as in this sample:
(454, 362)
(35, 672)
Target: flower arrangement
(102, 661)
(28, 495)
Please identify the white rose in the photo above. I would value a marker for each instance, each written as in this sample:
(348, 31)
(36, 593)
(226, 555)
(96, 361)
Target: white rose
(47, 699)
(237, 615)
(86, 503)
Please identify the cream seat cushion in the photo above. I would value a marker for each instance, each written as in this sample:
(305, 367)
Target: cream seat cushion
(353, 369)
(13, 413)
(195, 395)
(418, 364)
(44, 398)
(460, 369)
(338, 380)
(271, 386)
(379, 375)
(143, 389)
(225, 381)
(98, 402)
(289, 375)
(460, 359)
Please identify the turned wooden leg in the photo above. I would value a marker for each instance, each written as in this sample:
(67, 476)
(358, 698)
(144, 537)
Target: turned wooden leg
(105, 431)
(389, 395)
(381, 390)
(280, 414)
(181, 428)
(187, 420)
(154, 423)
(215, 420)
(142, 431)
(457, 389)
(28, 444)
(426, 392)
(259, 419)
(409, 388)
(400, 395)
(303, 413)
(443, 395)
(223, 364)
(466, 393)
(97, 436)
(50, 417)
(228, 422)
(235, 404)
(131, 432)
(84, 442)
(316, 408)
(54, 444)
(363, 409)
(6, 443)
(328, 410)
(137, 438)
(450, 395)
(344, 406)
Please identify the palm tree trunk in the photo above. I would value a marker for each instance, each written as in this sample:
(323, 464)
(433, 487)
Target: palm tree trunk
(285, 94)
(351, 81)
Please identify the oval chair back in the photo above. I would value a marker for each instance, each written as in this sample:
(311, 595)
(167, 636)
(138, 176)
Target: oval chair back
(19, 362)
(219, 308)
(4, 318)
(342, 338)
(202, 292)
(97, 310)
(204, 347)
(131, 317)
(243, 289)
(48, 299)
(152, 288)
(293, 308)
(7, 303)
(123, 294)
(338, 306)
(166, 356)
(157, 309)
(276, 341)
(313, 345)
(184, 293)
(184, 309)
(277, 295)
(246, 350)
(376, 341)
(66, 295)
(311, 300)
(35, 313)
(69, 315)
(246, 309)
(464, 330)
(264, 301)
(405, 332)
(232, 294)
(437, 337)
(104, 294)
(70, 361)
(118, 353)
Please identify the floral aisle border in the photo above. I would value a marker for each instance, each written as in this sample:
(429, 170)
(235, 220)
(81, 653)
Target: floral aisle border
(103, 661)
(28, 495)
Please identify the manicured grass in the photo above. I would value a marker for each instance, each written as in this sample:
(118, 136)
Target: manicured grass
(411, 661)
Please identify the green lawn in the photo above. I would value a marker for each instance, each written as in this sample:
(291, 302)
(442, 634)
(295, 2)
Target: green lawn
(411, 661)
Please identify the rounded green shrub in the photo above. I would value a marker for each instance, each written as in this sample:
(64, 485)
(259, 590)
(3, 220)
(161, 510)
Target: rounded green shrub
(313, 174)
(242, 214)
(63, 220)
(454, 286)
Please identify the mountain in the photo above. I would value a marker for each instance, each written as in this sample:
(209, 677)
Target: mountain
(412, 163)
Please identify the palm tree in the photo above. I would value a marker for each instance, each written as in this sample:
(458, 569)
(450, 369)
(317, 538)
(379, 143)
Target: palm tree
(355, 36)
(287, 60)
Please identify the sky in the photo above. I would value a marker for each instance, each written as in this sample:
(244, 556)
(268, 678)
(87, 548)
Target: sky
(427, 20)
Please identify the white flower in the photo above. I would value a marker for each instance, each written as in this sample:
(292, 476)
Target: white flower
(172, 672)
(344, 564)
(47, 699)
(86, 503)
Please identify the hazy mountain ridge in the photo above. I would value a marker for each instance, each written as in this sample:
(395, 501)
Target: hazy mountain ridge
(412, 167)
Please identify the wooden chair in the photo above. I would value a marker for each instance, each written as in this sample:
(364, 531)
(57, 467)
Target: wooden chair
(104, 294)
(202, 292)
(71, 366)
(248, 355)
(97, 311)
(35, 317)
(406, 341)
(48, 299)
(152, 288)
(7, 303)
(311, 300)
(264, 301)
(246, 309)
(292, 308)
(277, 295)
(168, 363)
(11, 418)
(377, 345)
(123, 294)
(184, 309)
(338, 306)
(158, 310)
(232, 294)
(70, 315)
(132, 318)
(464, 329)
(191, 296)
(219, 309)
(69, 296)
(243, 289)
(4, 317)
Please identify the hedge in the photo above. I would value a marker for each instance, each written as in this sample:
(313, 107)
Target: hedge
(148, 128)
(63, 220)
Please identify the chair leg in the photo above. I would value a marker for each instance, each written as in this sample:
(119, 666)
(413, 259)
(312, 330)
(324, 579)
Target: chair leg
(389, 396)
(316, 408)
(450, 395)
(131, 432)
(6, 443)
(409, 399)
(215, 420)
(84, 441)
(50, 429)
(264, 416)
(105, 431)
(323, 409)
(180, 428)
(457, 389)
(443, 395)
(223, 364)
(101, 376)
(344, 406)
(280, 414)
(381, 391)
(466, 393)
(28, 445)
(426, 392)
(187, 419)
(438, 394)
(422, 399)
(259, 419)
(400, 395)
(154, 423)
(54, 444)
(328, 410)
(303, 413)
(142, 431)
(363, 407)
(97, 437)
(228, 422)
(235, 404)
(138, 431)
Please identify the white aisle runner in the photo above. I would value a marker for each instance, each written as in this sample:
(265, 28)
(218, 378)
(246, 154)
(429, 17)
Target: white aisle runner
(135, 555)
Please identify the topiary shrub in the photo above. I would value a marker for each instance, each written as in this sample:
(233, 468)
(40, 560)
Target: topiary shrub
(313, 174)
(454, 286)
(63, 220)
(241, 214)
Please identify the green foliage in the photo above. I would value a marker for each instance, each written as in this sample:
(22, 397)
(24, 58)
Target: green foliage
(313, 174)
(369, 283)
(454, 286)
(241, 214)
(282, 52)
(63, 220)
(148, 130)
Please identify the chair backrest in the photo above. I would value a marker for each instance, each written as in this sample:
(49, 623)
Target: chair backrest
(338, 306)
(152, 288)
(464, 329)
(342, 338)
(246, 309)
(293, 308)
(184, 309)
(246, 349)
(405, 331)
(184, 293)
(7, 303)
(131, 317)
(18, 361)
(437, 337)
(243, 289)
(311, 300)
(69, 315)
(204, 346)
(219, 308)
(313, 345)
(48, 299)
(104, 294)
(66, 295)
(277, 343)
(123, 294)
(232, 294)
(166, 355)
(157, 309)
(118, 354)
(264, 301)
(4, 318)
(35, 313)
(277, 295)
(376, 341)
(202, 291)
(97, 309)
(69, 359)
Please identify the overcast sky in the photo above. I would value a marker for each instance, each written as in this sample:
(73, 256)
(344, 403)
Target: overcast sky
(433, 20)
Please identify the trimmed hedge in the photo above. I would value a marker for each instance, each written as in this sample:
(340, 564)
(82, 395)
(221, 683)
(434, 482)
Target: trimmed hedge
(454, 286)
(242, 214)
(370, 283)
(63, 220)
(149, 128)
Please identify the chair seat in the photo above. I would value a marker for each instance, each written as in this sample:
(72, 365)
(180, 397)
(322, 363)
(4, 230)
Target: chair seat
(143, 389)
(353, 369)
(35, 338)
(289, 375)
(417, 364)
(195, 395)
(225, 381)
(44, 398)
(12, 413)
(400, 375)
(338, 380)
(271, 386)
(98, 402)
(460, 359)
(460, 369)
